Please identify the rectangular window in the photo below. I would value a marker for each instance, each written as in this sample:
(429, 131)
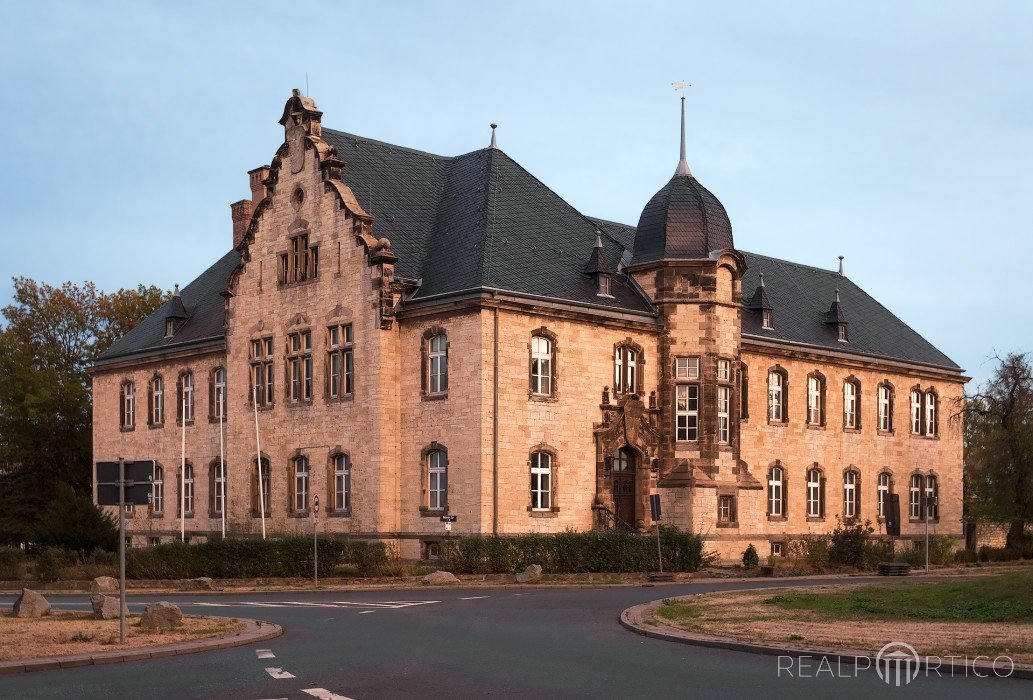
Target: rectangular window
(219, 488)
(814, 401)
(884, 493)
(724, 370)
(850, 405)
(815, 507)
(185, 405)
(777, 550)
(342, 483)
(301, 262)
(438, 364)
(541, 366)
(341, 360)
(687, 412)
(724, 403)
(916, 412)
(219, 395)
(726, 509)
(437, 487)
(299, 366)
(885, 409)
(157, 401)
(686, 368)
(850, 495)
(930, 413)
(128, 405)
(541, 481)
(776, 397)
(914, 497)
(262, 371)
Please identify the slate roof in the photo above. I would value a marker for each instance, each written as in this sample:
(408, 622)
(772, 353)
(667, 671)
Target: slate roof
(683, 221)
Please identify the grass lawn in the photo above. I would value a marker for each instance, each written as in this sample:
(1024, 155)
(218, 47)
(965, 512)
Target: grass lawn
(1004, 598)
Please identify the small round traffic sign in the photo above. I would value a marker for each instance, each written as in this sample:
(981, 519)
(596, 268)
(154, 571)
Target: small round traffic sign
(316, 503)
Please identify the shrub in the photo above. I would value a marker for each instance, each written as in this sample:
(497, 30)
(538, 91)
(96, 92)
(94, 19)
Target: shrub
(941, 549)
(997, 554)
(812, 551)
(12, 564)
(51, 562)
(594, 551)
(73, 522)
(966, 556)
(750, 560)
(849, 542)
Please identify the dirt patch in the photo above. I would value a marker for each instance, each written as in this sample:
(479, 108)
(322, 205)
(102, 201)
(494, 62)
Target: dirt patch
(78, 633)
(745, 617)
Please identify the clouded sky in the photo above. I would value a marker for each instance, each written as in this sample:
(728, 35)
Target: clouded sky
(896, 134)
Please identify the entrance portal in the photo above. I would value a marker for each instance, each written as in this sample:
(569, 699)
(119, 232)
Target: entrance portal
(623, 476)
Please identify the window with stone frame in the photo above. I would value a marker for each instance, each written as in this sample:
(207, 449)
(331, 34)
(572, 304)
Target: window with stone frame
(341, 483)
(185, 398)
(885, 399)
(932, 495)
(300, 484)
(726, 514)
(724, 370)
(217, 395)
(627, 368)
(156, 401)
(724, 407)
(261, 496)
(542, 367)
(435, 363)
(127, 406)
(541, 481)
(686, 412)
(852, 404)
(301, 261)
(917, 421)
(216, 487)
(299, 367)
(158, 490)
(931, 428)
(851, 494)
(185, 505)
(914, 497)
(776, 492)
(262, 372)
(340, 362)
(686, 368)
(883, 491)
(778, 395)
(816, 399)
(437, 480)
(815, 493)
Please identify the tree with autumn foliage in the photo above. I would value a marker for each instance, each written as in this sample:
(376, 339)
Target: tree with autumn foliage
(49, 338)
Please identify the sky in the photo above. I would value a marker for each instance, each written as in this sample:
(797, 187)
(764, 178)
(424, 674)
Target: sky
(899, 135)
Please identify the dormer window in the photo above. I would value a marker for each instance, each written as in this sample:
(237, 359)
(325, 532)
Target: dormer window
(842, 333)
(604, 286)
(170, 328)
(766, 319)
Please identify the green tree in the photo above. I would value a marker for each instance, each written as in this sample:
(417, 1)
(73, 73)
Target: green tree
(71, 521)
(999, 449)
(50, 337)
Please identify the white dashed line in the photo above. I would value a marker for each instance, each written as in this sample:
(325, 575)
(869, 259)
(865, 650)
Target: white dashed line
(265, 653)
(366, 612)
(475, 597)
(323, 694)
(279, 674)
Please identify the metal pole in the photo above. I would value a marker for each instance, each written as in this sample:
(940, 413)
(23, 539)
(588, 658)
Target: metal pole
(926, 533)
(315, 549)
(183, 472)
(258, 447)
(659, 555)
(121, 550)
(222, 455)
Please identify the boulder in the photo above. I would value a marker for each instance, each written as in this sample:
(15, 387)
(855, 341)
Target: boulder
(532, 574)
(440, 578)
(201, 583)
(104, 584)
(105, 607)
(31, 604)
(161, 617)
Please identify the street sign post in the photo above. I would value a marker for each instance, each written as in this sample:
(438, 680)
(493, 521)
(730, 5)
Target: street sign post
(654, 509)
(120, 484)
(448, 520)
(315, 539)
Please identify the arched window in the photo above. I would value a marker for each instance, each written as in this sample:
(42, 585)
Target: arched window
(776, 492)
(541, 481)
(851, 494)
(886, 407)
(625, 369)
(187, 483)
(777, 395)
(914, 497)
(437, 483)
(541, 366)
(158, 490)
(217, 486)
(218, 402)
(437, 364)
(260, 490)
(884, 491)
(300, 483)
(185, 399)
(931, 411)
(851, 404)
(815, 399)
(815, 494)
(127, 414)
(932, 495)
(156, 414)
(916, 412)
(342, 489)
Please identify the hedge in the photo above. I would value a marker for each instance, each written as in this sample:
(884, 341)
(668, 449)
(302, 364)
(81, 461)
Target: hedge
(610, 551)
(288, 557)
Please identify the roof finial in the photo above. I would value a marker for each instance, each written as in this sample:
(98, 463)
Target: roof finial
(841, 266)
(175, 290)
(598, 238)
(683, 164)
(494, 145)
(762, 279)
(837, 295)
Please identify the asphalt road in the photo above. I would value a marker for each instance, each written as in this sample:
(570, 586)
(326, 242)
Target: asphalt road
(528, 642)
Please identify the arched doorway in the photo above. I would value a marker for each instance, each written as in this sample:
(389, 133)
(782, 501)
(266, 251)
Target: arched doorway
(623, 477)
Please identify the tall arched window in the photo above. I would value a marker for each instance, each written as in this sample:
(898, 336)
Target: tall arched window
(218, 411)
(127, 406)
(776, 492)
(158, 490)
(625, 369)
(777, 395)
(851, 404)
(851, 494)
(156, 414)
(916, 412)
(185, 400)
(932, 494)
(301, 483)
(217, 487)
(342, 489)
(886, 407)
(884, 492)
(437, 484)
(541, 481)
(437, 369)
(914, 497)
(815, 399)
(187, 483)
(541, 366)
(931, 413)
(815, 494)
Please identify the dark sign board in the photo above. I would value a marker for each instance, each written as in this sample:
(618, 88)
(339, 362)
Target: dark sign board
(449, 518)
(654, 506)
(138, 483)
(891, 510)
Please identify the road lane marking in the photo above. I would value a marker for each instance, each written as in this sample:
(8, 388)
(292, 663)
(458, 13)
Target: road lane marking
(366, 612)
(265, 653)
(323, 694)
(338, 604)
(279, 674)
(475, 597)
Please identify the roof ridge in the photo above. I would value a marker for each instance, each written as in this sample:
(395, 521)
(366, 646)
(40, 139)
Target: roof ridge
(796, 264)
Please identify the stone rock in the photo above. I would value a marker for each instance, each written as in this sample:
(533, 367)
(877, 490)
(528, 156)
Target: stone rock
(202, 583)
(440, 578)
(532, 574)
(31, 604)
(161, 617)
(105, 607)
(104, 584)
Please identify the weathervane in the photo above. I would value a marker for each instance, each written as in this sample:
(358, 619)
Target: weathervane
(681, 86)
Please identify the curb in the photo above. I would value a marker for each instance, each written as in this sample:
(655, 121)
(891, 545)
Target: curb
(632, 619)
(254, 631)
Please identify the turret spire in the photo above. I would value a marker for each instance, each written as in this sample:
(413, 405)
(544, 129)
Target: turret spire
(683, 164)
(494, 145)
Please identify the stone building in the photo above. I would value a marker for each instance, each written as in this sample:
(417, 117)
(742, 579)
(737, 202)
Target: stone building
(409, 335)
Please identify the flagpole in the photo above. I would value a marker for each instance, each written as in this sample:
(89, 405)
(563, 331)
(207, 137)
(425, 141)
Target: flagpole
(222, 455)
(183, 470)
(258, 448)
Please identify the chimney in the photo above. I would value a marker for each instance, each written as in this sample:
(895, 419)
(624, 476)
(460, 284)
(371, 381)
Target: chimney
(241, 214)
(258, 188)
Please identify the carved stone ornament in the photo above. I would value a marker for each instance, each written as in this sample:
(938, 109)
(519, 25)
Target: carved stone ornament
(631, 424)
(296, 143)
